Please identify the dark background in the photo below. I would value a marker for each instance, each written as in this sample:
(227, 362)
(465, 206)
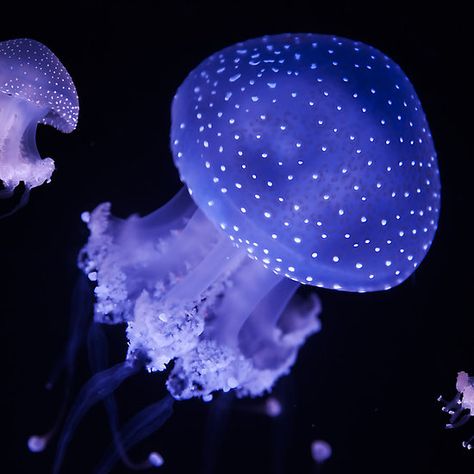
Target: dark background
(368, 382)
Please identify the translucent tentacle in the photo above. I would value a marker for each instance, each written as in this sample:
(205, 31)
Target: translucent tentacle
(142, 425)
(96, 389)
(81, 310)
(217, 422)
(25, 197)
(81, 314)
(98, 359)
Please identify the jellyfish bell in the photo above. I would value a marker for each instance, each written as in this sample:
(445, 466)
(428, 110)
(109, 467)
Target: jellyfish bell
(316, 148)
(34, 88)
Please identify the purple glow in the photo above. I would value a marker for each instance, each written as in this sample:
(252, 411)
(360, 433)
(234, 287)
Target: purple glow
(273, 407)
(307, 159)
(321, 450)
(34, 88)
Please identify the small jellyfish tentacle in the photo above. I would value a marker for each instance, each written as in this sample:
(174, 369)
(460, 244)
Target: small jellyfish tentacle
(139, 427)
(24, 199)
(216, 425)
(81, 309)
(98, 360)
(6, 193)
(80, 319)
(98, 387)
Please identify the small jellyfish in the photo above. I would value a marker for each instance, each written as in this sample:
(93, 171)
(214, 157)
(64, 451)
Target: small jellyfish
(34, 88)
(461, 407)
(307, 159)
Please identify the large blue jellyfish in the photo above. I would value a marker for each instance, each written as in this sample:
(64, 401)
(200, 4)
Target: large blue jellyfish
(307, 160)
(34, 88)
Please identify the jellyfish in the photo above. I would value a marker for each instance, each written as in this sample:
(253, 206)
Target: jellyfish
(461, 407)
(34, 88)
(307, 160)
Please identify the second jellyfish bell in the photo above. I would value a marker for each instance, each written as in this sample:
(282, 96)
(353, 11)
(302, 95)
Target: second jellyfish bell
(35, 88)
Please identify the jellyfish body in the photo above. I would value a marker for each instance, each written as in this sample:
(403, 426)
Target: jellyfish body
(461, 407)
(34, 88)
(309, 154)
